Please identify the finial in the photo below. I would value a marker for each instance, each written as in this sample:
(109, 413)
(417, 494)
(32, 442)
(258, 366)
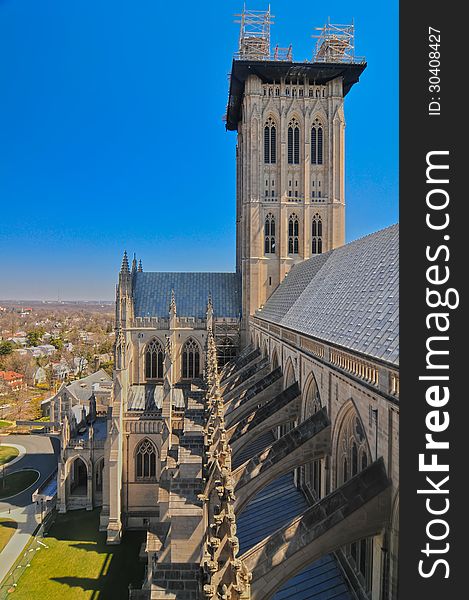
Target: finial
(172, 306)
(209, 302)
(125, 263)
(134, 263)
(140, 268)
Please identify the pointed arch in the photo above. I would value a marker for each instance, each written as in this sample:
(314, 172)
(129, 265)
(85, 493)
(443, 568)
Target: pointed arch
(352, 454)
(316, 234)
(269, 234)
(349, 432)
(275, 361)
(311, 403)
(77, 469)
(289, 376)
(190, 359)
(145, 460)
(293, 139)
(311, 399)
(154, 359)
(317, 142)
(270, 141)
(293, 234)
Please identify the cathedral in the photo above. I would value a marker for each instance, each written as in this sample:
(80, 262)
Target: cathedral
(252, 429)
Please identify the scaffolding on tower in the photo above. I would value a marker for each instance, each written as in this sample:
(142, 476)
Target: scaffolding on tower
(254, 34)
(336, 44)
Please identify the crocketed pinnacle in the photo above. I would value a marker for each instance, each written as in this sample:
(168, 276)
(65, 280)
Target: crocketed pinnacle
(125, 263)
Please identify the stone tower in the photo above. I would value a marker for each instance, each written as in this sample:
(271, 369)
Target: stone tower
(290, 152)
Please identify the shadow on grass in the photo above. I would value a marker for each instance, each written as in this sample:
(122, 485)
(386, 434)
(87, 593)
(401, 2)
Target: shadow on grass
(8, 524)
(121, 566)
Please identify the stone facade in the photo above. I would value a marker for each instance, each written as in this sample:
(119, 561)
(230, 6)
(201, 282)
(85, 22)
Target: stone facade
(352, 388)
(287, 191)
(226, 382)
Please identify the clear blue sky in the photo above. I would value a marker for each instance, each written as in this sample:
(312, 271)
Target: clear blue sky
(111, 134)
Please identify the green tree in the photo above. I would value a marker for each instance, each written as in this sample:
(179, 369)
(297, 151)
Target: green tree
(57, 343)
(5, 348)
(34, 337)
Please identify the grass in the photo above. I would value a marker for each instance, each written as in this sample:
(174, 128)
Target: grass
(7, 529)
(5, 423)
(8, 453)
(17, 482)
(78, 565)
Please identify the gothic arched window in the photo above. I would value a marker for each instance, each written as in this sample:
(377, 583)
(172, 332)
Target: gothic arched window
(154, 358)
(145, 460)
(190, 360)
(316, 235)
(270, 142)
(317, 143)
(293, 142)
(293, 234)
(269, 234)
(354, 457)
(312, 403)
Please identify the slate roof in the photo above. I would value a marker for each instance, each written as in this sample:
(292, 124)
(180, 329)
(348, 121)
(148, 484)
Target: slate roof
(83, 388)
(152, 294)
(348, 296)
(272, 508)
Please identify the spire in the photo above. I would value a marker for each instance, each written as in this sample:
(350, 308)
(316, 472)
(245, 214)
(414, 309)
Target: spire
(134, 263)
(125, 263)
(140, 268)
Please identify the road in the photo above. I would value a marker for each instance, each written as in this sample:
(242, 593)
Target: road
(41, 453)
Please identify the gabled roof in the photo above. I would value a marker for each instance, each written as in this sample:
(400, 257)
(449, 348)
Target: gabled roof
(152, 294)
(348, 296)
(83, 388)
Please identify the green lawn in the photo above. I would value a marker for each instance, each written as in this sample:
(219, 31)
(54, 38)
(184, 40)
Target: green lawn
(7, 529)
(78, 565)
(17, 482)
(7, 453)
(5, 423)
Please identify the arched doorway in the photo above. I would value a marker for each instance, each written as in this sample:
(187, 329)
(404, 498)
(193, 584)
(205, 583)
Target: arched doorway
(78, 478)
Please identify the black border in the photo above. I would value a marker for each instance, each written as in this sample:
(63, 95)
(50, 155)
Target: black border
(419, 134)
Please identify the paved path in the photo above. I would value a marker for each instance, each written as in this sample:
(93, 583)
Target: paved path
(40, 454)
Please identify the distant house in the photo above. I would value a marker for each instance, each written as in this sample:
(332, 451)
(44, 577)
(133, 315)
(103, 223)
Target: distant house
(40, 376)
(61, 370)
(42, 350)
(48, 349)
(79, 364)
(19, 341)
(15, 381)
